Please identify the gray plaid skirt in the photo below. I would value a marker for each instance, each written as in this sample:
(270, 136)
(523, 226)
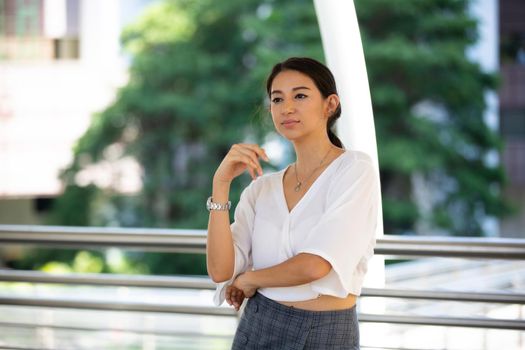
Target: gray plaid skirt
(267, 324)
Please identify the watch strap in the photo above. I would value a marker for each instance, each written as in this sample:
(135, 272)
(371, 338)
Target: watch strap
(210, 205)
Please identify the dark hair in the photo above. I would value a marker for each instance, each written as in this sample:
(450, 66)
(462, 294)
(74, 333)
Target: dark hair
(323, 79)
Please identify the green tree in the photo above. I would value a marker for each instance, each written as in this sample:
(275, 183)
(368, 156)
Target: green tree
(190, 96)
(428, 102)
(184, 103)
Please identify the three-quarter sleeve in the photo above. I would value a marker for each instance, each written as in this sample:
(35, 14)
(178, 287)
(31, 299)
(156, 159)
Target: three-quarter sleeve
(241, 228)
(344, 235)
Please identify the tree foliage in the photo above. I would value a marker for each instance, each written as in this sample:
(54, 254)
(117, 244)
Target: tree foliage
(428, 101)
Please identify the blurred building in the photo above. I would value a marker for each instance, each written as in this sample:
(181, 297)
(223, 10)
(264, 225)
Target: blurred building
(60, 62)
(512, 108)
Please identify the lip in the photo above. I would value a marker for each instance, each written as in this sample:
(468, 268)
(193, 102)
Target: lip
(289, 122)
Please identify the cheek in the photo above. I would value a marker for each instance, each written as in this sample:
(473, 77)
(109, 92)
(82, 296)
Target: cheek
(275, 113)
(274, 119)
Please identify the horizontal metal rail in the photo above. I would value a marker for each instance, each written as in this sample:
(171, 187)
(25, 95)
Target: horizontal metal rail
(114, 305)
(505, 298)
(104, 279)
(168, 240)
(170, 333)
(222, 311)
(491, 323)
(200, 283)
(194, 241)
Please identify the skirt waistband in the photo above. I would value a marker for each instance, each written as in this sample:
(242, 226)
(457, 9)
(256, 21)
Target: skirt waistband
(266, 302)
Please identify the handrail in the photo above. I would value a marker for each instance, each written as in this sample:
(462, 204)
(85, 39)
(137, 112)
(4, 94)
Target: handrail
(106, 279)
(113, 328)
(198, 282)
(112, 305)
(168, 240)
(194, 241)
(446, 321)
(115, 305)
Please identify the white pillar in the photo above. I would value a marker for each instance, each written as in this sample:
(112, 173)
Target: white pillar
(344, 56)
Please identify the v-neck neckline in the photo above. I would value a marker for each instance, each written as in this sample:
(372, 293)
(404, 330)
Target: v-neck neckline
(309, 190)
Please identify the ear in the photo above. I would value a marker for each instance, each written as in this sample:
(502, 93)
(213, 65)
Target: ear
(332, 102)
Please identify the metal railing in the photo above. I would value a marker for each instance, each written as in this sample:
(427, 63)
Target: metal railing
(194, 241)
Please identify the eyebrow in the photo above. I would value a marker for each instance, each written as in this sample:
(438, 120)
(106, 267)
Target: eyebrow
(295, 88)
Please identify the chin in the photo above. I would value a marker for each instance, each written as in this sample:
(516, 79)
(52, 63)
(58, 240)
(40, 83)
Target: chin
(292, 136)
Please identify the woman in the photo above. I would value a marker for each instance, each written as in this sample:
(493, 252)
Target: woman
(301, 237)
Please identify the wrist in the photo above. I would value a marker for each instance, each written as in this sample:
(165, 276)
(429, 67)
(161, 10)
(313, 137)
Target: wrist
(220, 181)
(251, 279)
(220, 191)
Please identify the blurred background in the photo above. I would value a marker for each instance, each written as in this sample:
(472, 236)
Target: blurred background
(116, 113)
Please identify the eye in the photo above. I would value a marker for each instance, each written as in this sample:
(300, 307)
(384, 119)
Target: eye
(275, 99)
(301, 95)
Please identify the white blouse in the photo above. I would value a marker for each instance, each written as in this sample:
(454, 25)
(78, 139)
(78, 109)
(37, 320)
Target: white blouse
(335, 219)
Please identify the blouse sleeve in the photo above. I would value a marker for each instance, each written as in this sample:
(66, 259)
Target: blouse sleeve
(241, 228)
(345, 234)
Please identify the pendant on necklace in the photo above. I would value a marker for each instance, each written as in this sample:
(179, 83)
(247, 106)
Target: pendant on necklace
(297, 187)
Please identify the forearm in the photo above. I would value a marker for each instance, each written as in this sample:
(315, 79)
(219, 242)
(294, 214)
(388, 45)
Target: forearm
(300, 269)
(220, 254)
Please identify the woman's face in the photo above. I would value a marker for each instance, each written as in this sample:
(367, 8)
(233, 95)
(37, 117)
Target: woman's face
(298, 109)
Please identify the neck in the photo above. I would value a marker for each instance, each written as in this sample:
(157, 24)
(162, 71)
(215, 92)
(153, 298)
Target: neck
(310, 152)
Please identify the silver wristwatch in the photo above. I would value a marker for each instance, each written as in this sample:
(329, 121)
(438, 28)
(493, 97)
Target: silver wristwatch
(217, 206)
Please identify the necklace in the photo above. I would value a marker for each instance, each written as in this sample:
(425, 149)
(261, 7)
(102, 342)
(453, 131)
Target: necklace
(299, 183)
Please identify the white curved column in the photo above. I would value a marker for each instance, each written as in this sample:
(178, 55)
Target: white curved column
(344, 56)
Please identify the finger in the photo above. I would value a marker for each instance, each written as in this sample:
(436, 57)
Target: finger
(253, 156)
(256, 151)
(234, 298)
(260, 151)
(252, 172)
(231, 296)
(243, 158)
(266, 155)
(239, 300)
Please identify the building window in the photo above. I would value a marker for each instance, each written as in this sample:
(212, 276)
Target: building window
(43, 204)
(28, 30)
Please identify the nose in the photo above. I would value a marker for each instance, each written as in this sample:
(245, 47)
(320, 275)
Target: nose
(289, 107)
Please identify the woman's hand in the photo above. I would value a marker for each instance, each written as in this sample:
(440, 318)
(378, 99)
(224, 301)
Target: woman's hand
(234, 296)
(241, 288)
(244, 283)
(241, 157)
